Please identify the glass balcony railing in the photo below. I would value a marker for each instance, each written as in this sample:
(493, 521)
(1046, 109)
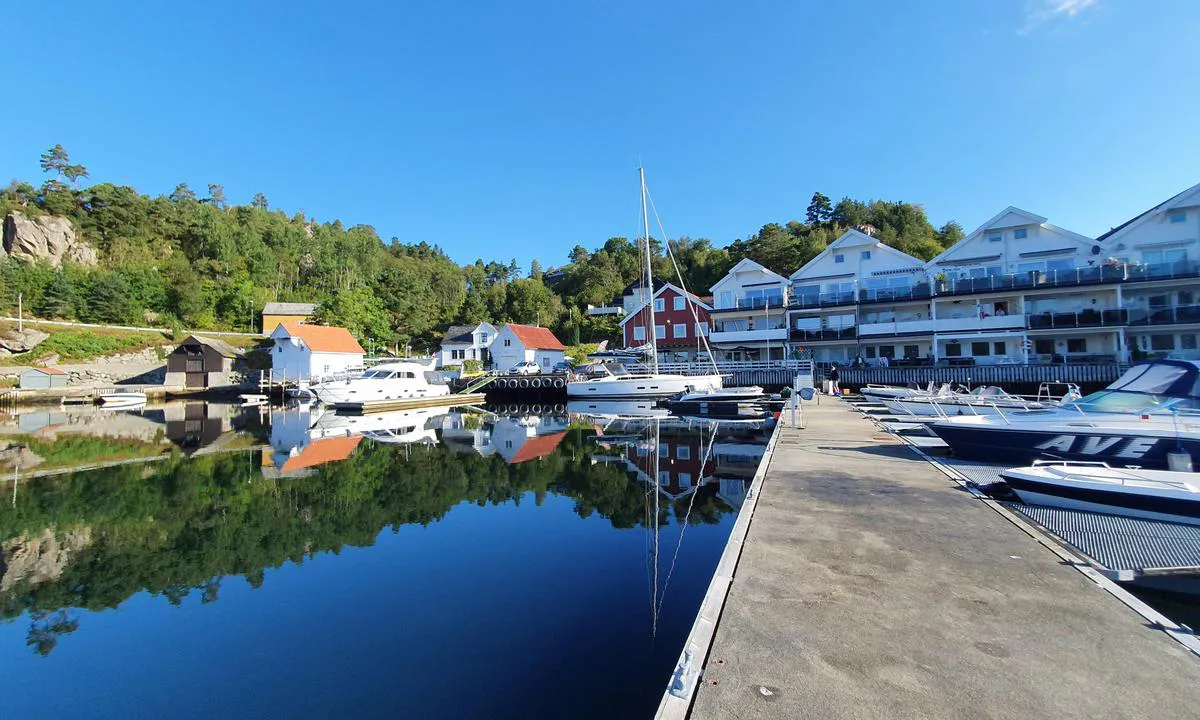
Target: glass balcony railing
(753, 304)
(813, 300)
(1083, 319)
(797, 335)
(734, 326)
(920, 291)
(1164, 315)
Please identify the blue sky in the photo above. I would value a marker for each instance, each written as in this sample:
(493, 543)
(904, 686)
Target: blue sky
(515, 129)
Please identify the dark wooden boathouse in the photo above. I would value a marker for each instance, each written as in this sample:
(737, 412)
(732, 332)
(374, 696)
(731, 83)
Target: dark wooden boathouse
(202, 362)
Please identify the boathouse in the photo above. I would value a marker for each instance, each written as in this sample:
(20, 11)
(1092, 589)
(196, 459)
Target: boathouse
(516, 344)
(201, 362)
(42, 378)
(304, 352)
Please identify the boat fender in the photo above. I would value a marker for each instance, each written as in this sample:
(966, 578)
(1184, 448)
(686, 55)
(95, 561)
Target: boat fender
(536, 383)
(523, 383)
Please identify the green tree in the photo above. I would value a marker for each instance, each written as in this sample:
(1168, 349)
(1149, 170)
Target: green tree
(216, 195)
(57, 161)
(58, 299)
(259, 201)
(819, 209)
(182, 193)
(110, 300)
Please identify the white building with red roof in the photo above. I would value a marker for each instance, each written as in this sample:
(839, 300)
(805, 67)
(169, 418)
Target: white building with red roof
(304, 352)
(515, 344)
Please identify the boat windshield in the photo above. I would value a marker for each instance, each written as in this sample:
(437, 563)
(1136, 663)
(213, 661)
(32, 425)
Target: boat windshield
(616, 369)
(1128, 402)
(1150, 387)
(1151, 378)
(375, 375)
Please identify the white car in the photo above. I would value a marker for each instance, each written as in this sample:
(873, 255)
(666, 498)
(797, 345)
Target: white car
(528, 367)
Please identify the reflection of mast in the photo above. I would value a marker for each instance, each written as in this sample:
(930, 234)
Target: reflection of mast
(654, 602)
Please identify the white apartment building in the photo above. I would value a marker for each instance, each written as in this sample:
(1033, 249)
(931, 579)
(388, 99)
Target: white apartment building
(749, 314)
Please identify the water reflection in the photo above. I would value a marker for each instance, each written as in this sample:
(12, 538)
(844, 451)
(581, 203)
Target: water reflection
(173, 502)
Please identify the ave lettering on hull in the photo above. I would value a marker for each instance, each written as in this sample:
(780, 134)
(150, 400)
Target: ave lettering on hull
(1132, 448)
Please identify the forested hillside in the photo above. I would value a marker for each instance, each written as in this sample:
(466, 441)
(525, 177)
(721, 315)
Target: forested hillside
(192, 259)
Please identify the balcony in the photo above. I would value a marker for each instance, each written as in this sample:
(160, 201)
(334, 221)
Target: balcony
(920, 291)
(815, 300)
(1084, 319)
(1033, 279)
(991, 322)
(751, 304)
(798, 335)
(896, 327)
(1164, 315)
(777, 334)
(1162, 271)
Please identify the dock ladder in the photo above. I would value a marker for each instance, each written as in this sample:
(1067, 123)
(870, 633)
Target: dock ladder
(477, 385)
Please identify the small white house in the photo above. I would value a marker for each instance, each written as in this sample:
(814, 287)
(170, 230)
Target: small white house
(516, 344)
(466, 342)
(304, 352)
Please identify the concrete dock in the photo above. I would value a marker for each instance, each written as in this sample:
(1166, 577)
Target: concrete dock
(871, 586)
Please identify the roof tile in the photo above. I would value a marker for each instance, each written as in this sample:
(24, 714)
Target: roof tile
(322, 338)
(535, 337)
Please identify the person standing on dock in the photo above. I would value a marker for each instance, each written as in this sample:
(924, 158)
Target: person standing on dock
(834, 377)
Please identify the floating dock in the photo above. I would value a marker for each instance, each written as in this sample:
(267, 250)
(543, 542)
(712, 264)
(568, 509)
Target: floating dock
(872, 585)
(376, 406)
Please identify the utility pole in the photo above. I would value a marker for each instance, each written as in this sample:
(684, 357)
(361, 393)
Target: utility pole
(20, 312)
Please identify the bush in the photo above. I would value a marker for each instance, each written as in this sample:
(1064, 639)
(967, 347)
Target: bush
(472, 367)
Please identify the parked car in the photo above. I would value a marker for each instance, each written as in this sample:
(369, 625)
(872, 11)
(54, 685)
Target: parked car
(565, 366)
(528, 367)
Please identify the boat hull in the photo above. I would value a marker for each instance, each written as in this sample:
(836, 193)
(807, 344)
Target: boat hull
(1095, 499)
(648, 386)
(382, 390)
(1021, 446)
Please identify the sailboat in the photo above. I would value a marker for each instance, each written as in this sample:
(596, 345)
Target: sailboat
(611, 380)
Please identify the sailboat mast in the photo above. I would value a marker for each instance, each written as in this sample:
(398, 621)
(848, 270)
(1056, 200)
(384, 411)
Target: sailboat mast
(649, 273)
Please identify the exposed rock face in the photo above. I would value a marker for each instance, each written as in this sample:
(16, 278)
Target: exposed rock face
(20, 341)
(39, 558)
(45, 238)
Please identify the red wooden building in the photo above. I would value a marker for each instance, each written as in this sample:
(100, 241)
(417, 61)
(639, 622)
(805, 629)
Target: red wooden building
(678, 315)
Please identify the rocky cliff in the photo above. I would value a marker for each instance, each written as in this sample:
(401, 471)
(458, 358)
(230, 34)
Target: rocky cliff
(45, 238)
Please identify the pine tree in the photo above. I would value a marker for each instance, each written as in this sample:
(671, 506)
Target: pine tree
(57, 300)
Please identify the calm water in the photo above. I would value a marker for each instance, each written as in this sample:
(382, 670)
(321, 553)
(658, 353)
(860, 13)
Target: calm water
(203, 561)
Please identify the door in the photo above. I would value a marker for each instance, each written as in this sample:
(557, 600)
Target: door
(196, 380)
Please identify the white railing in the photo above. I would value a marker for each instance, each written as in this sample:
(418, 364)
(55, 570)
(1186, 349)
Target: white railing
(779, 334)
(731, 366)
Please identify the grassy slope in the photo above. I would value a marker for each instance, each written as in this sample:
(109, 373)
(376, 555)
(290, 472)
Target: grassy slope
(75, 345)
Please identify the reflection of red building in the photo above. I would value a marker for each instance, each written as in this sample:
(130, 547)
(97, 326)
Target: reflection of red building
(678, 461)
(312, 455)
(677, 327)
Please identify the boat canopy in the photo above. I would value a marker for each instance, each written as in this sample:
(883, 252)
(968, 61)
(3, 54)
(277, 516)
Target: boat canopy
(1175, 378)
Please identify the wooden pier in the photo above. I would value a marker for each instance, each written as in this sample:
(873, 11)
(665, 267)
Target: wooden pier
(869, 585)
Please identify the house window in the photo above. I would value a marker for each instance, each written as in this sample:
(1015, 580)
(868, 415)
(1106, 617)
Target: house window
(1185, 297)
(1177, 217)
(1162, 342)
(953, 349)
(911, 351)
(996, 237)
(483, 338)
(507, 343)
(1043, 347)
(680, 303)
(869, 351)
(1187, 341)
(1156, 257)
(999, 348)
(679, 331)
(639, 332)
(865, 255)
(660, 332)
(701, 329)
(658, 305)
(980, 349)
(664, 477)
(683, 452)
(664, 450)
(643, 452)
(1020, 234)
(1076, 345)
(685, 480)
(839, 258)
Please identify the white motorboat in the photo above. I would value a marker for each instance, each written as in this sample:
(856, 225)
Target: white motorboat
(388, 381)
(398, 427)
(1148, 413)
(733, 394)
(1096, 487)
(984, 400)
(122, 399)
(612, 380)
(632, 408)
(891, 392)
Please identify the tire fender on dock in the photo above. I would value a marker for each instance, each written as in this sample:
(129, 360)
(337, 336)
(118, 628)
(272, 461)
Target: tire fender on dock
(523, 383)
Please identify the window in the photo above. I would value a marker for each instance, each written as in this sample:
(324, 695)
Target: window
(643, 452)
(683, 452)
(1177, 217)
(1020, 234)
(999, 348)
(869, 351)
(507, 342)
(664, 450)
(483, 338)
(1162, 342)
(839, 258)
(660, 332)
(1043, 347)
(664, 477)
(953, 349)
(1186, 297)
(685, 480)
(658, 305)
(680, 303)
(1076, 345)
(887, 351)
(679, 330)
(980, 349)
(995, 237)
(865, 255)
(639, 332)
(701, 329)
(911, 351)
(1156, 257)
(1187, 341)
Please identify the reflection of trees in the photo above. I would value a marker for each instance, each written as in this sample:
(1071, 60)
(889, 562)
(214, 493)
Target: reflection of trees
(181, 526)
